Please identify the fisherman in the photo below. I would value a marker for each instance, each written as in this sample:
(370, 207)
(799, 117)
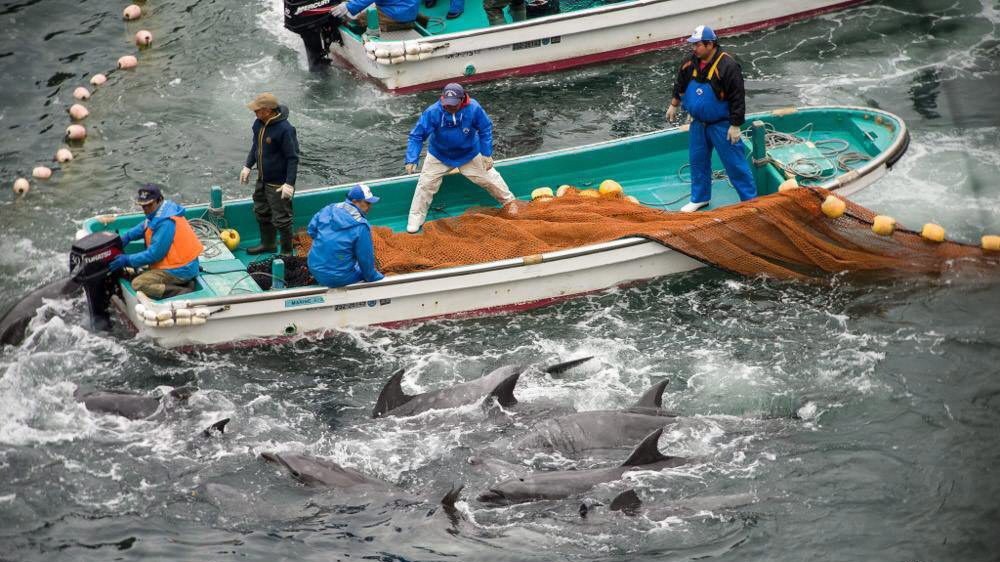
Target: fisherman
(342, 251)
(461, 136)
(393, 15)
(172, 248)
(709, 87)
(494, 11)
(275, 152)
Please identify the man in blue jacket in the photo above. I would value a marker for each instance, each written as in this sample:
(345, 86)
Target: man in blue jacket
(342, 252)
(393, 15)
(172, 248)
(461, 136)
(275, 152)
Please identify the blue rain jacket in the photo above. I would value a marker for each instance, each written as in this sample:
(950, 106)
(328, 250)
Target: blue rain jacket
(342, 252)
(455, 139)
(163, 236)
(403, 11)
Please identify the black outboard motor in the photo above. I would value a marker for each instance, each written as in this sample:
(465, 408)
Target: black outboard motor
(311, 19)
(88, 265)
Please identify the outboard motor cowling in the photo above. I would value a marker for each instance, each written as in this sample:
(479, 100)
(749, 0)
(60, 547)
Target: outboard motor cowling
(88, 265)
(311, 19)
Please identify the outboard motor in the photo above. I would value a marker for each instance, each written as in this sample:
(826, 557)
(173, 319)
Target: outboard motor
(88, 265)
(311, 19)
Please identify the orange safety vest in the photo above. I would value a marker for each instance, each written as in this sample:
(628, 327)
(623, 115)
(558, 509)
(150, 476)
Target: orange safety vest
(184, 248)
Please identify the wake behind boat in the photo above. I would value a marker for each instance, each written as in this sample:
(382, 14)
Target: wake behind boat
(842, 149)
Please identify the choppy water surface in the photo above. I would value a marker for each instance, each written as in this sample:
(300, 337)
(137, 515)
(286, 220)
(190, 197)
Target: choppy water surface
(857, 421)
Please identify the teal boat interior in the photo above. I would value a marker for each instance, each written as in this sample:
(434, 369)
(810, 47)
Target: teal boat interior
(815, 145)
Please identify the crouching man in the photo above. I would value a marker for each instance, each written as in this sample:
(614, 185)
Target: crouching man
(342, 251)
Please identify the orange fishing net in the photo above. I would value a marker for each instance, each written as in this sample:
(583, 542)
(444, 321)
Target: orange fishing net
(784, 235)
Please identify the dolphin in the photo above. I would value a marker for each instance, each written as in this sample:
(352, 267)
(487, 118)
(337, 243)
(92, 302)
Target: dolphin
(392, 401)
(128, 404)
(564, 483)
(629, 503)
(320, 472)
(601, 429)
(14, 322)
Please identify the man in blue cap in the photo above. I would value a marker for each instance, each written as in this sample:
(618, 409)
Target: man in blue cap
(709, 87)
(172, 248)
(342, 251)
(460, 136)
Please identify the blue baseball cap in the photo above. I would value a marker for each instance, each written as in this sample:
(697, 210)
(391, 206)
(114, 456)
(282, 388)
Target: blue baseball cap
(453, 94)
(148, 193)
(703, 33)
(361, 192)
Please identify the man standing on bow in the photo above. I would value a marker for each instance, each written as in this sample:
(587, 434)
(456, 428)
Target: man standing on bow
(460, 136)
(275, 152)
(709, 87)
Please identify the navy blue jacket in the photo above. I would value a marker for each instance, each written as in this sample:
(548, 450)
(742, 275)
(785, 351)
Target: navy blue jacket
(275, 149)
(342, 251)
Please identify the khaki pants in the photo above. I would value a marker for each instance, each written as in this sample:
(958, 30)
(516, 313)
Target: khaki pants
(385, 23)
(434, 171)
(158, 284)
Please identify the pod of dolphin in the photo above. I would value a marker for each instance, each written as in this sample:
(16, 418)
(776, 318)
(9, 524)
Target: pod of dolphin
(639, 426)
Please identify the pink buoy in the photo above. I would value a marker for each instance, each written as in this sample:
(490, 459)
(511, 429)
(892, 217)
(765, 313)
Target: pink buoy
(127, 62)
(98, 79)
(78, 112)
(143, 38)
(81, 93)
(132, 12)
(76, 132)
(21, 186)
(41, 172)
(64, 155)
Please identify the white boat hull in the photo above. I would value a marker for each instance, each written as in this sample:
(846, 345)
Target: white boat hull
(563, 40)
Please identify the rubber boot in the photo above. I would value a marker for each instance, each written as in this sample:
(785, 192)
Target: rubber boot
(518, 11)
(286, 241)
(267, 236)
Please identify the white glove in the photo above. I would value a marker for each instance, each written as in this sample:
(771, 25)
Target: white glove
(671, 113)
(410, 168)
(733, 134)
(245, 175)
(340, 11)
(487, 162)
(286, 191)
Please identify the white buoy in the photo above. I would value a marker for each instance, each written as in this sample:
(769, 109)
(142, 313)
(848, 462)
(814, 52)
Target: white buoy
(21, 186)
(41, 172)
(64, 155)
(78, 112)
(131, 12)
(76, 132)
(128, 61)
(98, 79)
(143, 38)
(81, 93)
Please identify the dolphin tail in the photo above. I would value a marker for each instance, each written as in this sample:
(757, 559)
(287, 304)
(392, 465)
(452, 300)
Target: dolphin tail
(627, 502)
(183, 392)
(453, 495)
(560, 368)
(653, 398)
(392, 395)
(504, 392)
(647, 452)
(219, 426)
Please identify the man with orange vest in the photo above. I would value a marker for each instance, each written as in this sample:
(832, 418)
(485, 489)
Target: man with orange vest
(172, 248)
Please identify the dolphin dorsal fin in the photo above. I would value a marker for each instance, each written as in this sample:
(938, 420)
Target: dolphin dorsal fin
(392, 395)
(453, 495)
(559, 368)
(504, 392)
(653, 398)
(647, 452)
(627, 502)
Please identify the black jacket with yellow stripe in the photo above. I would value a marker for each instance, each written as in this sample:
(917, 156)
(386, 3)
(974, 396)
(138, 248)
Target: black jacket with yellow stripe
(726, 78)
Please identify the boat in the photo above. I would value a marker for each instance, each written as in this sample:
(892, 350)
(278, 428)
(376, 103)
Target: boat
(842, 149)
(468, 49)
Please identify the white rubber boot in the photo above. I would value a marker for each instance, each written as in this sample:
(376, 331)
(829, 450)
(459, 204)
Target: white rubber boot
(692, 206)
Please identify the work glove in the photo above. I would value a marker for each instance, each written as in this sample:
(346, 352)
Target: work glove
(340, 11)
(487, 162)
(120, 262)
(244, 175)
(671, 113)
(286, 191)
(733, 134)
(411, 168)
